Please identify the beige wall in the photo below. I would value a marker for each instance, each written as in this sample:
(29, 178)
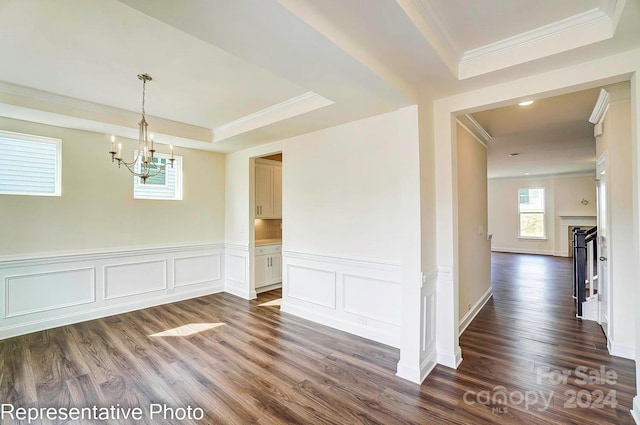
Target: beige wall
(616, 144)
(97, 209)
(474, 251)
(563, 197)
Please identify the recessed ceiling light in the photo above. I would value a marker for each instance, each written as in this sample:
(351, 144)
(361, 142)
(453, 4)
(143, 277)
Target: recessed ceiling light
(525, 103)
(526, 174)
(513, 155)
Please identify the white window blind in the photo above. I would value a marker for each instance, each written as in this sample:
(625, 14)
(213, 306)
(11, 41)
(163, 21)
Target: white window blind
(166, 185)
(30, 165)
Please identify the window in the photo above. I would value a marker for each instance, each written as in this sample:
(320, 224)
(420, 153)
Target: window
(166, 185)
(531, 213)
(30, 165)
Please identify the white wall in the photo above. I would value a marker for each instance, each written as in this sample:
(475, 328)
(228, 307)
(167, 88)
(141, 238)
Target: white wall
(474, 250)
(563, 196)
(616, 144)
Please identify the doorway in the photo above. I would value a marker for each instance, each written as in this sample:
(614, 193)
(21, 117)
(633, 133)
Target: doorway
(266, 223)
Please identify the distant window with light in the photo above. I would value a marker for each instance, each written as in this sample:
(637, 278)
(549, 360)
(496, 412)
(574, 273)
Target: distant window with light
(531, 212)
(30, 165)
(166, 185)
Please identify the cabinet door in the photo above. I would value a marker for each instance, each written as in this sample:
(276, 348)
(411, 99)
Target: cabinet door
(276, 268)
(264, 190)
(277, 191)
(263, 270)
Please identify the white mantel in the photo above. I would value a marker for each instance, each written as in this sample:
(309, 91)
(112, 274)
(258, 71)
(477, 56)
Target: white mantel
(567, 221)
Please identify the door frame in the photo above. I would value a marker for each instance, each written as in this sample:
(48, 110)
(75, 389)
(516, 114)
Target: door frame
(601, 163)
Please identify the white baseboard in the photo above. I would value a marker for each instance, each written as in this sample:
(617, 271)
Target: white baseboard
(451, 360)
(69, 319)
(475, 309)
(342, 325)
(240, 292)
(419, 374)
(522, 251)
(619, 350)
(268, 288)
(427, 366)
(635, 412)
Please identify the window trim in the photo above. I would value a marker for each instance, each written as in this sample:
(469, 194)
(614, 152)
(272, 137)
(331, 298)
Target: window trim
(58, 166)
(544, 214)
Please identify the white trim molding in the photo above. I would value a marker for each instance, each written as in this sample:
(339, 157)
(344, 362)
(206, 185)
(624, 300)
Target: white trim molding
(635, 412)
(575, 31)
(619, 350)
(523, 250)
(43, 291)
(473, 312)
(295, 106)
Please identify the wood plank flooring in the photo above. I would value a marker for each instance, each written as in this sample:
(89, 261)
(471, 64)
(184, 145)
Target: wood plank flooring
(246, 363)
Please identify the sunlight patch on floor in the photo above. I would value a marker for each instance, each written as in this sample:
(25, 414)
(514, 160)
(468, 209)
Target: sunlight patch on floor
(190, 329)
(271, 303)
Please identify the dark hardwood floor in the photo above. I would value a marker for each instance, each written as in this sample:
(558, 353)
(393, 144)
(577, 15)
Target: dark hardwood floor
(246, 363)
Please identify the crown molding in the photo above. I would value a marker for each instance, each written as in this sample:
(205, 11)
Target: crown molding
(471, 133)
(600, 108)
(295, 106)
(479, 128)
(585, 28)
(570, 33)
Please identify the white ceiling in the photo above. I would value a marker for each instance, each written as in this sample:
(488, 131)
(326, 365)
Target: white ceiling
(551, 136)
(233, 74)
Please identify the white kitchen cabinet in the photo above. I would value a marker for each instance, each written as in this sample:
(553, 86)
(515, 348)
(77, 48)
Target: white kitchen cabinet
(277, 191)
(268, 187)
(268, 265)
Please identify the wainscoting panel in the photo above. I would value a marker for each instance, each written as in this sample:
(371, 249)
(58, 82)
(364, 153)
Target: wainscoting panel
(382, 302)
(134, 279)
(38, 292)
(44, 291)
(197, 269)
(360, 296)
(312, 285)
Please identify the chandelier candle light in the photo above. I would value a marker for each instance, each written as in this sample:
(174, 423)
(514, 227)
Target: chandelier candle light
(143, 165)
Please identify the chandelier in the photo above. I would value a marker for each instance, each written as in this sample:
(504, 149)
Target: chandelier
(144, 164)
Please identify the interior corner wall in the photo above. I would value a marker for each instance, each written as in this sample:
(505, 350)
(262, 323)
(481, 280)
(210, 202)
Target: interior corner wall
(474, 250)
(615, 142)
(563, 196)
(97, 210)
